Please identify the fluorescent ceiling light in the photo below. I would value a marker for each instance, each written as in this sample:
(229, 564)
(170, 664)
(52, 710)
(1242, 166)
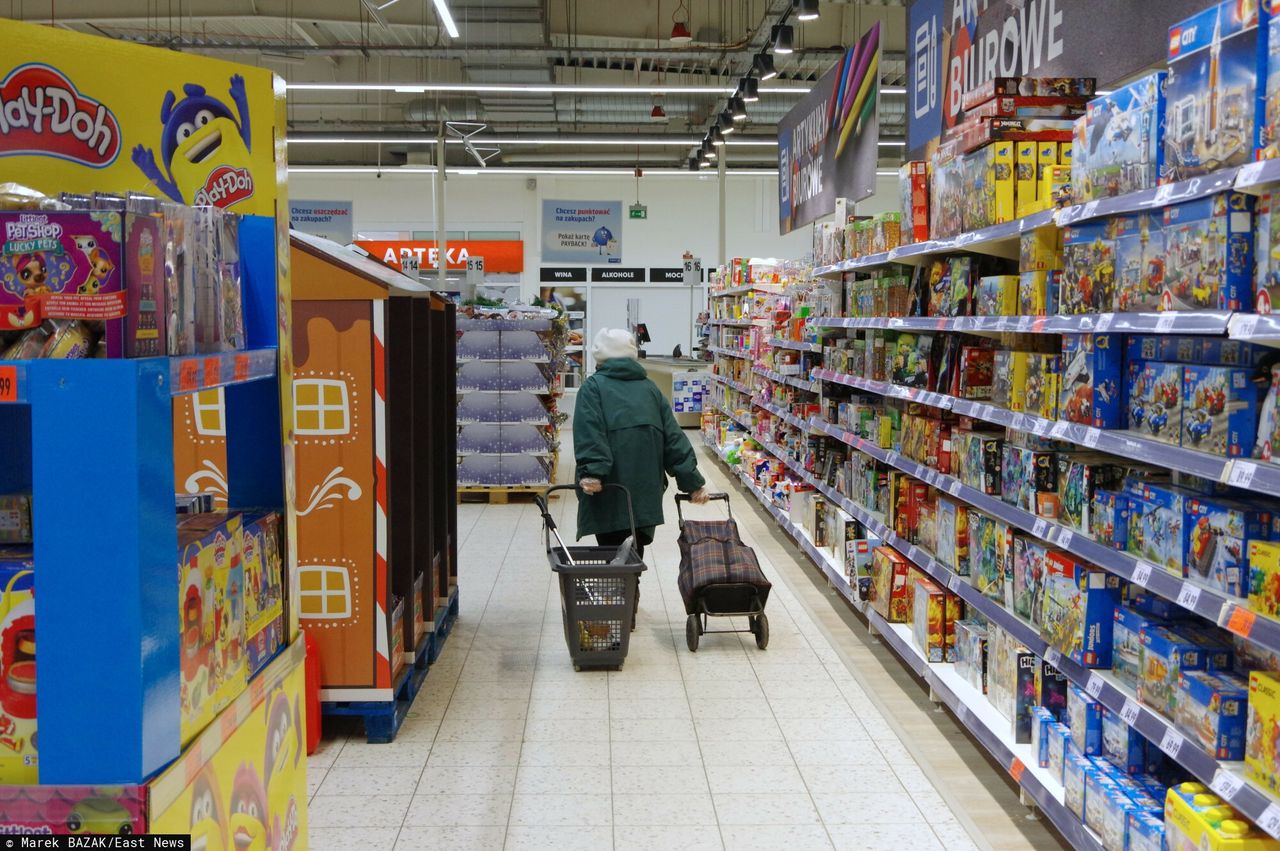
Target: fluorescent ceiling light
(531, 88)
(891, 144)
(498, 172)
(442, 10)
(893, 90)
(673, 142)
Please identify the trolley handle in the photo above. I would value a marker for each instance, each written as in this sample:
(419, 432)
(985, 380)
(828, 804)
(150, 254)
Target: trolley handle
(549, 523)
(711, 497)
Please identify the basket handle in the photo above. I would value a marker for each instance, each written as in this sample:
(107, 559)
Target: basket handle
(549, 523)
(711, 497)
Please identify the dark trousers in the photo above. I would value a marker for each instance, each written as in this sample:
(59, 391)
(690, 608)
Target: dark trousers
(614, 539)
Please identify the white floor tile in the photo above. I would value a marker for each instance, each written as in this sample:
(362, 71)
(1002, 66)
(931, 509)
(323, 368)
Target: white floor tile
(467, 780)
(765, 808)
(346, 838)
(692, 809)
(562, 779)
(465, 810)
(562, 810)
(557, 838)
(358, 810)
(796, 837)
(684, 837)
(449, 838)
(659, 779)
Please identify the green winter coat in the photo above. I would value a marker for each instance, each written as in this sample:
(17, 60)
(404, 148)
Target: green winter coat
(624, 432)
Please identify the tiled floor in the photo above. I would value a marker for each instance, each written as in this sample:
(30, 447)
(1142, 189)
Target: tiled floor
(727, 748)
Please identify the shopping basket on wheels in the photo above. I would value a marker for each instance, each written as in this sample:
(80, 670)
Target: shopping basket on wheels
(719, 576)
(598, 591)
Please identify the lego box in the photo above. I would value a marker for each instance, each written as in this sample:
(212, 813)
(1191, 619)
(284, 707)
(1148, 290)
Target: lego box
(890, 595)
(1155, 400)
(1156, 524)
(1090, 382)
(1209, 253)
(1117, 146)
(1165, 656)
(1213, 707)
(1079, 610)
(1029, 575)
(971, 653)
(1262, 744)
(1089, 268)
(1065, 87)
(1220, 410)
(1140, 262)
(1085, 720)
(1218, 534)
(1264, 578)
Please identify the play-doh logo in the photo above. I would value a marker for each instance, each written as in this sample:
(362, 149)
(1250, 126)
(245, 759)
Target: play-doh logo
(42, 113)
(226, 185)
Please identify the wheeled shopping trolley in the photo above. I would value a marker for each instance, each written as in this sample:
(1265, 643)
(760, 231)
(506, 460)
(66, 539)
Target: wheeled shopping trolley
(598, 591)
(720, 576)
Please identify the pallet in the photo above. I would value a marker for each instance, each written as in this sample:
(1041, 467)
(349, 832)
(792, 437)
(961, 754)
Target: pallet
(499, 495)
(444, 620)
(382, 718)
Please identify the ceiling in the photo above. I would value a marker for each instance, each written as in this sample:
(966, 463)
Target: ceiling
(558, 44)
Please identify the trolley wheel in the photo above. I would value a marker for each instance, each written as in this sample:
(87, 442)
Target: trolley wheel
(760, 626)
(577, 667)
(692, 627)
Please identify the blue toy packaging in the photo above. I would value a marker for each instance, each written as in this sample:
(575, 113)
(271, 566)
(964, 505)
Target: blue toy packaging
(1126, 643)
(1079, 610)
(1220, 410)
(1090, 383)
(1155, 400)
(1059, 746)
(1117, 146)
(971, 653)
(1209, 253)
(1218, 533)
(1213, 708)
(1156, 521)
(1041, 732)
(1166, 654)
(1080, 476)
(1085, 716)
(1088, 279)
(1213, 114)
(1146, 832)
(1074, 767)
(1139, 246)
(1109, 518)
(1123, 746)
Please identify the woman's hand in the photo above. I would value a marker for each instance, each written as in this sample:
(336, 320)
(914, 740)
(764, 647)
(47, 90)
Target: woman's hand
(699, 497)
(590, 486)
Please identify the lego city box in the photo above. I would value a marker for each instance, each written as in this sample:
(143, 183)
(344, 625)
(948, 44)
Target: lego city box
(1212, 707)
(1208, 247)
(1218, 534)
(1085, 720)
(1220, 410)
(1090, 380)
(1117, 146)
(1213, 116)
(1126, 643)
(1154, 394)
(1156, 522)
(1266, 234)
(1140, 262)
(1109, 518)
(1088, 281)
(1079, 609)
(1165, 655)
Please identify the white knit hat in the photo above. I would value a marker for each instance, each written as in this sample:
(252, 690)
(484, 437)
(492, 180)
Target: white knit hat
(613, 343)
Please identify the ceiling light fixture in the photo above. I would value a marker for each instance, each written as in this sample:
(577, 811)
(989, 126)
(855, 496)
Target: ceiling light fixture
(658, 114)
(627, 172)
(695, 163)
(585, 141)
(750, 89)
(764, 65)
(442, 11)
(806, 10)
(737, 108)
(784, 39)
(717, 136)
(680, 26)
(546, 88)
(726, 124)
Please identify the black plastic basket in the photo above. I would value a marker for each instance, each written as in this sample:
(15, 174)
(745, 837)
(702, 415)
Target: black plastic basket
(598, 591)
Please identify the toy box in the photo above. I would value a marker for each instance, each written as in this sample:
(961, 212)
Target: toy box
(1018, 369)
(1220, 410)
(1066, 87)
(1079, 609)
(1166, 654)
(991, 557)
(975, 375)
(1195, 819)
(1025, 185)
(18, 758)
(1085, 720)
(1116, 806)
(953, 535)
(1040, 250)
(1264, 578)
(1011, 684)
(1218, 533)
(1059, 746)
(1051, 690)
(1155, 400)
(1002, 377)
(15, 518)
(1122, 746)
(147, 325)
(1041, 723)
(1029, 574)
(1038, 293)
(1140, 262)
(932, 625)
(1266, 229)
(1126, 643)
(1042, 385)
(1209, 253)
(1089, 268)
(971, 653)
(1074, 768)
(1146, 832)
(1098, 783)
(1026, 474)
(1262, 739)
(1213, 114)
(1212, 708)
(211, 611)
(1090, 381)
(1109, 518)
(913, 183)
(263, 589)
(63, 265)
(889, 591)
(997, 295)
(1080, 476)
(978, 457)
(910, 365)
(1117, 146)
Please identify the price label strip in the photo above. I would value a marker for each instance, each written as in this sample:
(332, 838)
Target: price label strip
(8, 384)
(1094, 685)
(1171, 742)
(1130, 712)
(1142, 572)
(1270, 820)
(1226, 784)
(1188, 596)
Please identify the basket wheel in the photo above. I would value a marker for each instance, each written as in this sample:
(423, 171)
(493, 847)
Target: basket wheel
(760, 628)
(692, 628)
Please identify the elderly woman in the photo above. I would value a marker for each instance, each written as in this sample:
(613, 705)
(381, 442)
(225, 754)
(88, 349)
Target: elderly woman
(624, 433)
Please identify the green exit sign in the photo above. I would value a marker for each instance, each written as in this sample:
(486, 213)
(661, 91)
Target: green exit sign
(639, 211)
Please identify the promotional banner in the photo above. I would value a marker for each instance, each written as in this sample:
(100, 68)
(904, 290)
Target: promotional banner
(955, 45)
(828, 143)
(182, 127)
(500, 255)
(581, 231)
(329, 219)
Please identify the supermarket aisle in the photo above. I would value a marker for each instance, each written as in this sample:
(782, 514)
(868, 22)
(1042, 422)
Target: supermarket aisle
(729, 748)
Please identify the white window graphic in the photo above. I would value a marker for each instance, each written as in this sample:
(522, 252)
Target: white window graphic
(210, 412)
(324, 592)
(321, 406)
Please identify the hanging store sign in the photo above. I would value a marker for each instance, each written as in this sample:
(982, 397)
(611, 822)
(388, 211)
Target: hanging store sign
(581, 231)
(617, 276)
(674, 275)
(563, 274)
(329, 219)
(828, 143)
(500, 255)
(955, 45)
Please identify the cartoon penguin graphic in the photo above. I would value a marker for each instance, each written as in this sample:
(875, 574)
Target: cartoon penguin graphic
(282, 759)
(208, 827)
(201, 137)
(248, 819)
(99, 265)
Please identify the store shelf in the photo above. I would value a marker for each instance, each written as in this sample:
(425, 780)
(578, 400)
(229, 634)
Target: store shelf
(788, 418)
(999, 240)
(794, 345)
(1261, 328)
(730, 353)
(747, 288)
(1175, 322)
(1157, 197)
(737, 323)
(737, 418)
(792, 380)
(736, 385)
(1124, 443)
(1258, 177)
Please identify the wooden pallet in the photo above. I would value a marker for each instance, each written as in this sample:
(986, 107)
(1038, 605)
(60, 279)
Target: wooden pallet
(499, 495)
